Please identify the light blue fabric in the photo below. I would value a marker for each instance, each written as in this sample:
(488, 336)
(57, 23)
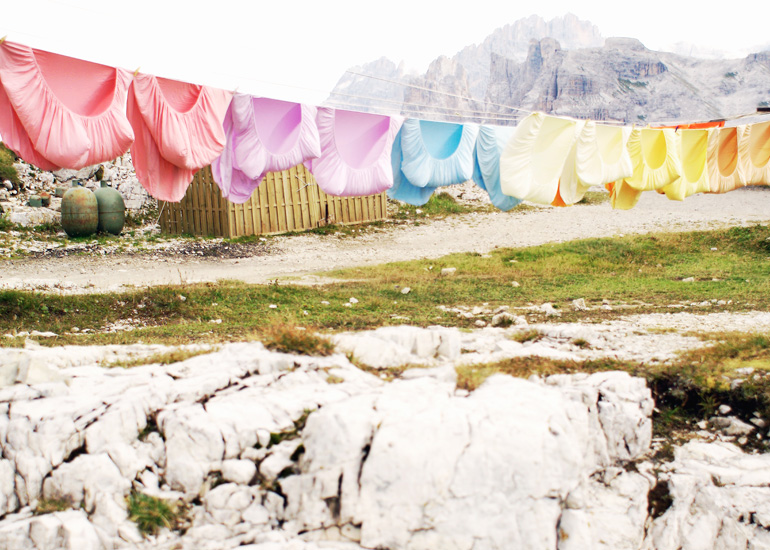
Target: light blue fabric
(402, 190)
(486, 166)
(436, 154)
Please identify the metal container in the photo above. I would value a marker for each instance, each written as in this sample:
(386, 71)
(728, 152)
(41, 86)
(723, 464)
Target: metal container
(79, 212)
(112, 209)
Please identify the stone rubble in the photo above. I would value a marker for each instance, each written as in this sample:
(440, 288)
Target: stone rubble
(118, 173)
(273, 451)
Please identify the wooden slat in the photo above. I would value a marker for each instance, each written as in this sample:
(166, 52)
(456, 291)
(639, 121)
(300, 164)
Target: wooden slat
(264, 202)
(285, 201)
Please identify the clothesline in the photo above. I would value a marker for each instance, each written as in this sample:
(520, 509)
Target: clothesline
(58, 111)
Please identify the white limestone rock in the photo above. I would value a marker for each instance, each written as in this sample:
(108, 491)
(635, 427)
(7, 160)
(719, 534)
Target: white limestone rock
(84, 479)
(501, 461)
(720, 500)
(9, 502)
(238, 471)
(396, 346)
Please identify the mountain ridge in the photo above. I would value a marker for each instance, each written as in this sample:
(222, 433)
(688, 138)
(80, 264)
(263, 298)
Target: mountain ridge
(587, 76)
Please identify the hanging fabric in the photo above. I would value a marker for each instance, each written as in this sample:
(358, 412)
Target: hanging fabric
(62, 112)
(356, 150)
(179, 130)
(486, 167)
(725, 173)
(622, 195)
(402, 190)
(436, 154)
(693, 153)
(655, 152)
(534, 158)
(263, 135)
(754, 153)
(598, 156)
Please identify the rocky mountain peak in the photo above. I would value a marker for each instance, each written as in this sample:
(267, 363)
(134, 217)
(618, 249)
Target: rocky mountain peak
(624, 43)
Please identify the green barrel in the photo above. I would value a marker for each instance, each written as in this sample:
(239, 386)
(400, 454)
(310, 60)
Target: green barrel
(112, 209)
(79, 212)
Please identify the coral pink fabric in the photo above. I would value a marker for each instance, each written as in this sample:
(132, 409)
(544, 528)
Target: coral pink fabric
(178, 130)
(57, 111)
(263, 135)
(355, 152)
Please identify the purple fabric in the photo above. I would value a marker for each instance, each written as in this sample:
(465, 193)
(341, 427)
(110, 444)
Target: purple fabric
(355, 152)
(263, 135)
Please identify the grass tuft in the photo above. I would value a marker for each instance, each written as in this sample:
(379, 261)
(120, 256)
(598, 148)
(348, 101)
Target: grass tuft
(153, 514)
(286, 338)
(50, 505)
(529, 335)
(7, 171)
(164, 358)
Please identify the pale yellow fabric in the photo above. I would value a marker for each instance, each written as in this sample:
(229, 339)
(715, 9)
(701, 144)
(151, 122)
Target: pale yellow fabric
(655, 155)
(622, 195)
(599, 156)
(754, 153)
(533, 159)
(693, 152)
(725, 173)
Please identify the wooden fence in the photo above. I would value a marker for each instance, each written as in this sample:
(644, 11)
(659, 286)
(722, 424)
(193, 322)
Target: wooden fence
(285, 201)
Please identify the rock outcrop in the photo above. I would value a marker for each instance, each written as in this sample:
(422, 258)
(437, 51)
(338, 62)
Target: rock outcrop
(565, 67)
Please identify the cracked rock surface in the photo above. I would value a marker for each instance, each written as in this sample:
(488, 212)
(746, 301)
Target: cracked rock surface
(275, 451)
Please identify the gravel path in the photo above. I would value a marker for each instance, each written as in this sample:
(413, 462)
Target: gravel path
(300, 258)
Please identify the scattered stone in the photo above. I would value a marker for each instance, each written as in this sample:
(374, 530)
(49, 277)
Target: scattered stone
(549, 310)
(730, 425)
(515, 284)
(353, 300)
(479, 323)
(448, 271)
(579, 305)
(273, 306)
(725, 409)
(688, 280)
(182, 298)
(406, 290)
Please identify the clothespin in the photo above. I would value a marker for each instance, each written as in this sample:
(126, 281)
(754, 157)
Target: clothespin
(136, 72)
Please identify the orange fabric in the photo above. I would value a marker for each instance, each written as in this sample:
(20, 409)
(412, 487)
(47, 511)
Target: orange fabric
(697, 125)
(558, 201)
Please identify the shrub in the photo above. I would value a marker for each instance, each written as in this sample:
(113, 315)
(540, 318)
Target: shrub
(153, 514)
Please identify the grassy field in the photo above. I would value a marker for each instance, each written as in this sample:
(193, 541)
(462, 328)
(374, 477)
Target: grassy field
(646, 273)
(722, 270)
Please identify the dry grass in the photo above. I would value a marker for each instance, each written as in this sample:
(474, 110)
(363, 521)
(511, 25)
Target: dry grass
(286, 338)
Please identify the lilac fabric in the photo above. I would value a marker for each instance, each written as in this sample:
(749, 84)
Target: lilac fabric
(355, 152)
(263, 135)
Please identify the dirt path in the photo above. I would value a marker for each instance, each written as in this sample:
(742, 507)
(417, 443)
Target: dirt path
(298, 258)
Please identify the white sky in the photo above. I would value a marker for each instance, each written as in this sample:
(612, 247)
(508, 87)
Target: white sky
(297, 49)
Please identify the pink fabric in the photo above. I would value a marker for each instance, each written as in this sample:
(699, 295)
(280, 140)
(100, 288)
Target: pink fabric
(355, 152)
(263, 135)
(57, 111)
(178, 129)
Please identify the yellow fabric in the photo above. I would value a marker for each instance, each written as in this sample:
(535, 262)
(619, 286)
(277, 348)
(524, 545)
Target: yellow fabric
(599, 156)
(533, 159)
(655, 156)
(622, 195)
(693, 152)
(725, 173)
(754, 153)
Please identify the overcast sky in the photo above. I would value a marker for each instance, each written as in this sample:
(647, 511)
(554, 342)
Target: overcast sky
(297, 49)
